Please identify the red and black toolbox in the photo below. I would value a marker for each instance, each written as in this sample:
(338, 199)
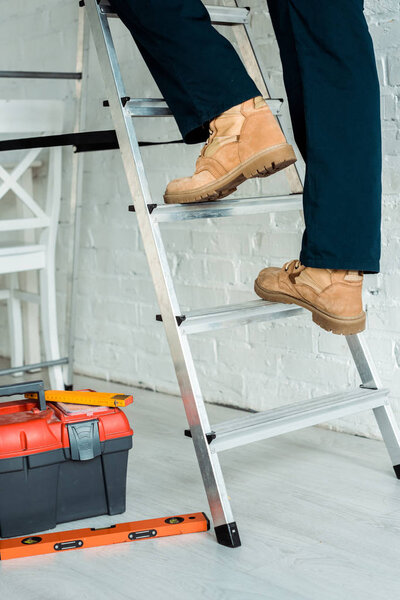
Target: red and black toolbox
(59, 462)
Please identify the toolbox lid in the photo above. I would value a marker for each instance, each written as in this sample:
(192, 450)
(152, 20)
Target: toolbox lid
(26, 430)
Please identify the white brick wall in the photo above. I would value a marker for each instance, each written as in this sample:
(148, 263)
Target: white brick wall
(213, 262)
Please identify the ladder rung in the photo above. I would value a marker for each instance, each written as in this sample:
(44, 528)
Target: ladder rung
(157, 107)
(165, 213)
(263, 425)
(147, 107)
(229, 15)
(222, 15)
(218, 317)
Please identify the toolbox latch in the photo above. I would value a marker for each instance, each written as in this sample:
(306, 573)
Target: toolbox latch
(84, 440)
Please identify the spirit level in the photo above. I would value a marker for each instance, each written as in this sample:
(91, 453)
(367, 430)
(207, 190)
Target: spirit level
(77, 539)
(83, 397)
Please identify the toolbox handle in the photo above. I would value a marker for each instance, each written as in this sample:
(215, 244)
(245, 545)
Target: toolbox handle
(23, 388)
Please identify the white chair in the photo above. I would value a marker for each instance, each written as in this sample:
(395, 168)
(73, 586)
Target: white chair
(30, 249)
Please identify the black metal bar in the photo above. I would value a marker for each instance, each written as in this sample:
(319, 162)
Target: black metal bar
(39, 75)
(86, 141)
(65, 139)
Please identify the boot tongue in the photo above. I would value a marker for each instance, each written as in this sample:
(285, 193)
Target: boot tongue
(229, 123)
(211, 135)
(223, 130)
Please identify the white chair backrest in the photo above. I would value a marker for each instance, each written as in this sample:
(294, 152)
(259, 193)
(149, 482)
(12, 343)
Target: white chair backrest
(27, 117)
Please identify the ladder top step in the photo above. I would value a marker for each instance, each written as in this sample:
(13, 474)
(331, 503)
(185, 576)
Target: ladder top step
(224, 15)
(229, 15)
(263, 425)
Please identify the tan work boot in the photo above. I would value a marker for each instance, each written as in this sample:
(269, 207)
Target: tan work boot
(332, 295)
(245, 141)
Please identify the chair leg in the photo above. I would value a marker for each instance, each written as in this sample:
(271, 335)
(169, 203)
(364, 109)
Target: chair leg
(15, 325)
(31, 320)
(29, 282)
(49, 323)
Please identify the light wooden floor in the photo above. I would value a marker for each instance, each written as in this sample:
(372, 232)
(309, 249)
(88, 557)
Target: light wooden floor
(318, 513)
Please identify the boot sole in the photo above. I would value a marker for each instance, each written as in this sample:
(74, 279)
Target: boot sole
(329, 322)
(263, 164)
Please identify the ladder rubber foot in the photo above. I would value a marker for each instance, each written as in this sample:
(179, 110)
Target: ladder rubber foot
(69, 387)
(228, 535)
(396, 469)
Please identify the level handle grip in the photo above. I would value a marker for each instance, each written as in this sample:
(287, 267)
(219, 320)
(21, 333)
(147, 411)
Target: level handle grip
(22, 388)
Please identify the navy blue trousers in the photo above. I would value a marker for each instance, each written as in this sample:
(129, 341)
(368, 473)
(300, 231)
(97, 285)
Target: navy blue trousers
(333, 91)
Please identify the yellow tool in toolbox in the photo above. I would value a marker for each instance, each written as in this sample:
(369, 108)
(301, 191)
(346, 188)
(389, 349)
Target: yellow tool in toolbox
(84, 397)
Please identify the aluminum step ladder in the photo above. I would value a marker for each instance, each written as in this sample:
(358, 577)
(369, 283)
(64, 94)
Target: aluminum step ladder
(209, 439)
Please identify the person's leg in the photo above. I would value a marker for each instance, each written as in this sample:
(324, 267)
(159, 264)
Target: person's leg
(210, 95)
(197, 70)
(292, 76)
(333, 91)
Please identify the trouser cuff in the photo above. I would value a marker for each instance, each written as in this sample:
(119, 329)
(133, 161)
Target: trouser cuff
(368, 267)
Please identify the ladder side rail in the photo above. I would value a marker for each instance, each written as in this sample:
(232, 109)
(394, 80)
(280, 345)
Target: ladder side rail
(162, 280)
(383, 414)
(363, 361)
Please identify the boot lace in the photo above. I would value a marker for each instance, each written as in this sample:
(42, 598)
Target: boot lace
(210, 132)
(296, 264)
